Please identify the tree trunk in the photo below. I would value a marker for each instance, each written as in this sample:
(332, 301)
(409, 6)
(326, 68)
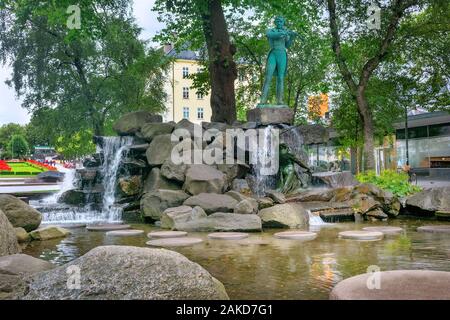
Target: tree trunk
(368, 130)
(222, 68)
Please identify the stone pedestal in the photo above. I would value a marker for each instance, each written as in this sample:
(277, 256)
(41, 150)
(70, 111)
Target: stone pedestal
(270, 115)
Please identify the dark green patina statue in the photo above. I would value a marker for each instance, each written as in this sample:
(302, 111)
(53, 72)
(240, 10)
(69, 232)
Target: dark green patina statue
(280, 39)
(293, 174)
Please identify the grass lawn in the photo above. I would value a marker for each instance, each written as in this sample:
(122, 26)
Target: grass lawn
(21, 170)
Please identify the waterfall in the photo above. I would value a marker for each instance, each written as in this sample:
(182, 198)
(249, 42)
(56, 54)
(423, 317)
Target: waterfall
(114, 149)
(315, 219)
(261, 160)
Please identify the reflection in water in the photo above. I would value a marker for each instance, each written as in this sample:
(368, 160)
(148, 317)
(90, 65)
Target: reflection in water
(263, 267)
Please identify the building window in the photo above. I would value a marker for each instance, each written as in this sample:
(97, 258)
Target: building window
(185, 112)
(200, 113)
(185, 92)
(199, 96)
(185, 72)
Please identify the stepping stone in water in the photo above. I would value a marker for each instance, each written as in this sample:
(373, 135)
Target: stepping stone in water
(296, 235)
(228, 235)
(125, 233)
(442, 228)
(71, 225)
(107, 227)
(361, 235)
(395, 285)
(167, 234)
(386, 230)
(174, 242)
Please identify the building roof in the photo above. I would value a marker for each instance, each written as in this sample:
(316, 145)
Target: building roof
(424, 119)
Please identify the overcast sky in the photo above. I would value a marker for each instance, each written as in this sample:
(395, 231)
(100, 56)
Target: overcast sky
(10, 109)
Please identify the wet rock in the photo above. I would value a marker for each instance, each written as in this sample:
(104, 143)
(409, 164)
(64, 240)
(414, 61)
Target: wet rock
(212, 202)
(87, 175)
(172, 216)
(131, 123)
(276, 196)
(296, 235)
(377, 214)
(313, 195)
(131, 185)
(174, 242)
(155, 180)
(48, 233)
(234, 170)
(221, 221)
(8, 239)
(92, 161)
(202, 178)
(288, 215)
(22, 235)
(159, 150)
(174, 171)
(151, 130)
(73, 197)
(154, 203)
(19, 213)
(123, 273)
(430, 200)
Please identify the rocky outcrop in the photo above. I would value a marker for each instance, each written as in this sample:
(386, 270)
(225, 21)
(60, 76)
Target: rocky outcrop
(125, 273)
(23, 264)
(154, 203)
(19, 213)
(174, 171)
(335, 179)
(276, 196)
(155, 180)
(159, 150)
(48, 233)
(173, 218)
(201, 178)
(246, 206)
(429, 201)
(151, 130)
(8, 240)
(221, 221)
(212, 202)
(288, 215)
(131, 123)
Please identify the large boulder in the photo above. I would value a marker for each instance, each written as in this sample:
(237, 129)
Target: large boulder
(335, 179)
(287, 215)
(128, 273)
(19, 213)
(48, 233)
(22, 264)
(222, 221)
(151, 130)
(8, 240)
(73, 197)
(247, 206)
(429, 201)
(154, 203)
(22, 235)
(173, 217)
(174, 171)
(201, 178)
(212, 202)
(159, 150)
(155, 180)
(131, 123)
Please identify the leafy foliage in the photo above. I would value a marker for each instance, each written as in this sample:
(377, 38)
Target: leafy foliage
(389, 180)
(18, 147)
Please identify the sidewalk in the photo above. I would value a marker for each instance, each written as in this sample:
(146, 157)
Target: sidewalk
(427, 182)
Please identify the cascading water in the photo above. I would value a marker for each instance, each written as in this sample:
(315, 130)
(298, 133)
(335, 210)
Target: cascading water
(315, 219)
(114, 149)
(265, 153)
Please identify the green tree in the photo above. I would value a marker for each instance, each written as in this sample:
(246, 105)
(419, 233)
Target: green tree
(89, 75)
(75, 146)
(7, 131)
(18, 147)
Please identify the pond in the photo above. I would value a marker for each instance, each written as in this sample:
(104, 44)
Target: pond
(263, 267)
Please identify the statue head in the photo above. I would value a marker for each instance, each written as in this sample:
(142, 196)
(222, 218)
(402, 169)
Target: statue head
(279, 22)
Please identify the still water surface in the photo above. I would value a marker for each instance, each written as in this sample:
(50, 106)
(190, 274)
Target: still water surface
(262, 267)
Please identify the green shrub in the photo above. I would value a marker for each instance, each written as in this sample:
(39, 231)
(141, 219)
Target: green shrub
(389, 180)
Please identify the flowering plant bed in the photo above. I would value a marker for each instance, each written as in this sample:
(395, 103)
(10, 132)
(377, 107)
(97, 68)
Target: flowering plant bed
(4, 166)
(22, 169)
(38, 164)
